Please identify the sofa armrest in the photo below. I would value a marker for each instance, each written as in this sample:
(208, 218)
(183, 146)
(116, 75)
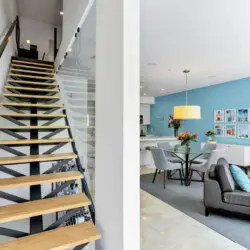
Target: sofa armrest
(212, 191)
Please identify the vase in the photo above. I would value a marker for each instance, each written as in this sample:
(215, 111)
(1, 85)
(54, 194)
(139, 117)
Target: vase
(211, 139)
(187, 148)
(176, 132)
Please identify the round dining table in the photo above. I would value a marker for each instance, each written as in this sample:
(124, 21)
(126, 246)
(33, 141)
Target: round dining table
(188, 155)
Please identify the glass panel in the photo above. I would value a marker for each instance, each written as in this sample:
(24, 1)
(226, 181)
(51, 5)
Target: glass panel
(76, 80)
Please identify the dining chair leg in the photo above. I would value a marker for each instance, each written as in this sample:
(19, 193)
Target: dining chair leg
(203, 177)
(180, 172)
(164, 178)
(182, 169)
(155, 176)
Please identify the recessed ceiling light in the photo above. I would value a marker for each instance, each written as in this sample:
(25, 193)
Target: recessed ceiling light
(162, 89)
(152, 64)
(28, 41)
(144, 94)
(61, 12)
(70, 49)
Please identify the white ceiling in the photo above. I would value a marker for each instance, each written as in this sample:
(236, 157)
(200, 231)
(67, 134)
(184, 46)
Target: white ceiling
(46, 11)
(211, 38)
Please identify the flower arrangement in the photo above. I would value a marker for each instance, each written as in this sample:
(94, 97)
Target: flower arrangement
(175, 124)
(210, 133)
(187, 137)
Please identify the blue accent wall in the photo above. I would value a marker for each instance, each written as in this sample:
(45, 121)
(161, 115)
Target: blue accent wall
(229, 95)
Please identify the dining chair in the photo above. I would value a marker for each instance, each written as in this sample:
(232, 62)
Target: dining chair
(170, 156)
(203, 158)
(203, 167)
(163, 164)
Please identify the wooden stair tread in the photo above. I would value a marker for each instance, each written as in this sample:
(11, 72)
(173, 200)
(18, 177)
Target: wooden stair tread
(51, 127)
(36, 158)
(31, 96)
(35, 141)
(33, 63)
(57, 239)
(31, 89)
(26, 104)
(33, 83)
(31, 71)
(31, 67)
(32, 115)
(39, 179)
(33, 77)
(40, 207)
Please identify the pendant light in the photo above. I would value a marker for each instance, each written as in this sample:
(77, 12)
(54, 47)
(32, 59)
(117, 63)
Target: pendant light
(186, 112)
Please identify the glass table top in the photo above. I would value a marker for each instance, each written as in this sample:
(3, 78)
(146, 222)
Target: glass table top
(194, 150)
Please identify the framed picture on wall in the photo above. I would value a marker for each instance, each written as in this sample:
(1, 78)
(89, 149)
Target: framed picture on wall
(230, 115)
(218, 115)
(219, 130)
(230, 130)
(244, 131)
(243, 115)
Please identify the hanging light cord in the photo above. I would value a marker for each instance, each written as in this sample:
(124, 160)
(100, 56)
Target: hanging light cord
(186, 90)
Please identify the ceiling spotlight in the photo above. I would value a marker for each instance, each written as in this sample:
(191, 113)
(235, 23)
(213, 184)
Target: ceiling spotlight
(61, 12)
(144, 94)
(28, 41)
(70, 49)
(162, 89)
(152, 64)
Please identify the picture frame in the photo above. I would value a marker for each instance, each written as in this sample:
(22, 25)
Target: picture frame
(219, 115)
(230, 115)
(243, 115)
(243, 131)
(230, 130)
(219, 130)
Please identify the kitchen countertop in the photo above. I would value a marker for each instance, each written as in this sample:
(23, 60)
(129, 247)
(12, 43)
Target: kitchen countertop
(157, 138)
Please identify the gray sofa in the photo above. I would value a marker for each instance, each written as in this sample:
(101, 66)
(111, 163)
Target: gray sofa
(234, 200)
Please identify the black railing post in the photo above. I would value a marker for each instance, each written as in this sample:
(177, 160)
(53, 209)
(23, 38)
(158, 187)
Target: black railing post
(17, 33)
(55, 42)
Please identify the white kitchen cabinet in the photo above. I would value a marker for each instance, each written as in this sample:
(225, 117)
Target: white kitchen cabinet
(145, 112)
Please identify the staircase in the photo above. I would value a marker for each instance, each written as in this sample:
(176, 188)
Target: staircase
(31, 94)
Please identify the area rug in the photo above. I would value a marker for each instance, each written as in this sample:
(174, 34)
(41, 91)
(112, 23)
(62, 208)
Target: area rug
(189, 200)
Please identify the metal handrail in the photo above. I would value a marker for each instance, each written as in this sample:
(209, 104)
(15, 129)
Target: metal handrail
(7, 37)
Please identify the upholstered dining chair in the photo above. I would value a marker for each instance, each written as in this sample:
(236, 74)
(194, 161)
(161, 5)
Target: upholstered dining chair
(170, 156)
(163, 164)
(203, 167)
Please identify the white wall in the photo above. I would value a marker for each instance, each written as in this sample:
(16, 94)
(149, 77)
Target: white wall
(39, 34)
(8, 12)
(74, 12)
(117, 173)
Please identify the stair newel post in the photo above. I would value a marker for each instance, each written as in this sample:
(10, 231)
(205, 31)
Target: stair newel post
(81, 170)
(36, 223)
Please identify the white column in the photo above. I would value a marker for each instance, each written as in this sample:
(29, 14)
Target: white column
(117, 194)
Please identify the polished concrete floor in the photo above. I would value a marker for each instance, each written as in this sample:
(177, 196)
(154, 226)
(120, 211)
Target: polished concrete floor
(166, 228)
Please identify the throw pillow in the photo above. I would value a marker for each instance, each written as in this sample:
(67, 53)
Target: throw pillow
(225, 178)
(241, 178)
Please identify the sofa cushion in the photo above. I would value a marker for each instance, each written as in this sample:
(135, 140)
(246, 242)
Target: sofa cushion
(240, 178)
(225, 178)
(237, 197)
